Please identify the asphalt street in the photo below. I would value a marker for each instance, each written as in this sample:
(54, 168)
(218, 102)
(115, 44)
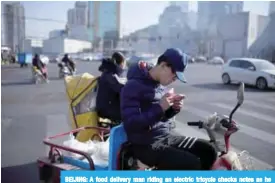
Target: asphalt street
(32, 112)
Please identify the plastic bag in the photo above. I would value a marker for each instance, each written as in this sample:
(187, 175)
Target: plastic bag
(88, 147)
(99, 151)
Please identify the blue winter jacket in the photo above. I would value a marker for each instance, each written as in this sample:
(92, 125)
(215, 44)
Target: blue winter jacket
(143, 118)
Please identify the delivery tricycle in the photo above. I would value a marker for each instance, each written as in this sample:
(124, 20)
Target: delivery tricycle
(120, 155)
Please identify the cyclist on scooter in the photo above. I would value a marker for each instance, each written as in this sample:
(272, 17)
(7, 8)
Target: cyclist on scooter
(69, 63)
(146, 111)
(36, 62)
(110, 84)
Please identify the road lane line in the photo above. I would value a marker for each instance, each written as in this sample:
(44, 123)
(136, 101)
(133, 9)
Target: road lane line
(253, 132)
(261, 105)
(183, 129)
(271, 99)
(254, 114)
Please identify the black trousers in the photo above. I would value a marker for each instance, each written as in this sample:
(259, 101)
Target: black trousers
(177, 153)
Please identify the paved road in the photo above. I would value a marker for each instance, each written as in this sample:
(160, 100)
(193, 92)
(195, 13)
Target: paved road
(31, 112)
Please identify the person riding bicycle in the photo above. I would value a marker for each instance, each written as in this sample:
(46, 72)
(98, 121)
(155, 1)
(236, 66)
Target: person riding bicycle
(36, 62)
(68, 62)
(146, 112)
(110, 84)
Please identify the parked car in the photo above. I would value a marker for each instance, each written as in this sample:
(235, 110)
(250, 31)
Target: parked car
(257, 72)
(200, 59)
(134, 59)
(216, 61)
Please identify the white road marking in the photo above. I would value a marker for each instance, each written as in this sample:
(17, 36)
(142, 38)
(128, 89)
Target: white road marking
(183, 129)
(259, 134)
(254, 114)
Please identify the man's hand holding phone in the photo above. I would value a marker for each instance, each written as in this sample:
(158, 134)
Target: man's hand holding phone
(178, 101)
(166, 101)
(172, 99)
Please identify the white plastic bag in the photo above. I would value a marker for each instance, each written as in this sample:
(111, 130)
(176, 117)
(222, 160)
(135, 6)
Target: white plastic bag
(75, 144)
(99, 151)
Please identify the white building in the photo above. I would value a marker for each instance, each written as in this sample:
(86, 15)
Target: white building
(172, 21)
(184, 5)
(71, 18)
(59, 45)
(264, 46)
(271, 9)
(142, 40)
(209, 11)
(55, 33)
(34, 46)
(13, 25)
(234, 34)
(78, 15)
(173, 30)
(80, 32)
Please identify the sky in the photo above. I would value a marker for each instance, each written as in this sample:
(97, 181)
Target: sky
(134, 15)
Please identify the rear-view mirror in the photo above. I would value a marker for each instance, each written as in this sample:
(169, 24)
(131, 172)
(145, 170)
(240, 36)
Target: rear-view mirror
(251, 68)
(240, 94)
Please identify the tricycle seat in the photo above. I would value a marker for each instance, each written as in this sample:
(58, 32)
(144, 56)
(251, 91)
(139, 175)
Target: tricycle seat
(121, 151)
(117, 138)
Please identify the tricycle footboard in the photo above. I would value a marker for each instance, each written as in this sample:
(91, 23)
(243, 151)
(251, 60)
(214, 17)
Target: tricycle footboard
(81, 164)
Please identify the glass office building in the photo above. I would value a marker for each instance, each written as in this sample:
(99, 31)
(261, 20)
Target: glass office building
(103, 18)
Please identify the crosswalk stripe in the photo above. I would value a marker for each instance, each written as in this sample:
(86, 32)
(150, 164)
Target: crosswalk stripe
(272, 99)
(183, 129)
(259, 134)
(256, 133)
(247, 112)
(260, 105)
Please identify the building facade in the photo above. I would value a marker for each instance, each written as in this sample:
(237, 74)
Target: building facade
(184, 5)
(71, 17)
(55, 33)
(104, 21)
(78, 15)
(60, 45)
(209, 11)
(271, 8)
(34, 46)
(236, 34)
(13, 26)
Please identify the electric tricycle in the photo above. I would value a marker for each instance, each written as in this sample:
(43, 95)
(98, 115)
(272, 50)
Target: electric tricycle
(121, 156)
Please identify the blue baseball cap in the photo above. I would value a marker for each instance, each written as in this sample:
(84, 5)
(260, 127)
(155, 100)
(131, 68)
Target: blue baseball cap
(178, 61)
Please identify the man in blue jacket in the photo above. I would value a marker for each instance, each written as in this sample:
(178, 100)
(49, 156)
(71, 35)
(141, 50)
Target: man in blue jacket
(146, 110)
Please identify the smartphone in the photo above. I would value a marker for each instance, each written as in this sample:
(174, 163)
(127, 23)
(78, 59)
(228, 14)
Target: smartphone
(179, 97)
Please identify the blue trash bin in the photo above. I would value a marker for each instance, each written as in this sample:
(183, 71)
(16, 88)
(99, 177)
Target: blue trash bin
(24, 58)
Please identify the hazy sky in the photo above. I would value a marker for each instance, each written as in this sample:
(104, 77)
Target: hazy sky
(134, 15)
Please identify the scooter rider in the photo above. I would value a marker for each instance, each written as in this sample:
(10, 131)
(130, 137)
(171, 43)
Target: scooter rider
(69, 63)
(36, 62)
(146, 111)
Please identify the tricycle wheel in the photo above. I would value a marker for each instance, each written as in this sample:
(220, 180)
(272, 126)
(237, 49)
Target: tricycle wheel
(48, 181)
(45, 174)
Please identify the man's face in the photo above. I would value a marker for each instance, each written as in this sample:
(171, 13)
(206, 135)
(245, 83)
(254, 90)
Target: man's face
(123, 65)
(167, 75)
